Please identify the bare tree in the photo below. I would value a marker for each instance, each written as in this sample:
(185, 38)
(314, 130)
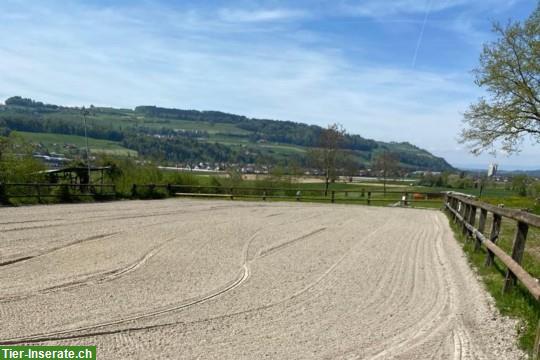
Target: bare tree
(326, 156)
(510, 72)
(387, 164)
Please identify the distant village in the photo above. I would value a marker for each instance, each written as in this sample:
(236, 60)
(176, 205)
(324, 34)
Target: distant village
(57, 160)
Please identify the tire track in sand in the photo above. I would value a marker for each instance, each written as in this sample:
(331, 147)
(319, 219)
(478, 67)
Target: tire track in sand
(76, 242)
(72, 333)
(243, 276)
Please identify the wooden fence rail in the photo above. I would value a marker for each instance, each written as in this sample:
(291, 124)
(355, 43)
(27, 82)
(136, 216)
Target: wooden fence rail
(42, 191)
(403, 198)
(464, 211)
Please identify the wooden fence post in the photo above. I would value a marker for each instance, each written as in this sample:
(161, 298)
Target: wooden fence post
(450, 204)
(493, 236)
(454, 205)
(264, 195)
(369, 198)
(471, 219)
(333, 196)
(481, 227)
(38, 192)
(465, 215)
(134, 190)
(517, 254)
(3, 194)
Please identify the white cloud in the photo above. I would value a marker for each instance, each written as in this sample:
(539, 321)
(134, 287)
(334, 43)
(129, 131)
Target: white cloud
(260, 15)
(380, 9)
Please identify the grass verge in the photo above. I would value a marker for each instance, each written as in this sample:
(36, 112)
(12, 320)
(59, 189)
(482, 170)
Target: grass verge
(518, 303)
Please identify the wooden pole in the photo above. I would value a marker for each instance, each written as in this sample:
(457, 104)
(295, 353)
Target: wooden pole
(471, 219)
(481, 228)
(465, 214)
(517, 254)
(454, 202)
(3, 194)
(38, 192)
(493, 236)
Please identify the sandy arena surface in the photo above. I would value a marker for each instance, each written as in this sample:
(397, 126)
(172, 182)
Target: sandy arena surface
(189, 279)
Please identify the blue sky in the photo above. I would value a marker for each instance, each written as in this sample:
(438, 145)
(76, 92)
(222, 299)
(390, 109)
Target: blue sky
(396, 70)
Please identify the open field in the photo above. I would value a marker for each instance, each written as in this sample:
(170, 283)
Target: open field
(56, 142)
(217, 279)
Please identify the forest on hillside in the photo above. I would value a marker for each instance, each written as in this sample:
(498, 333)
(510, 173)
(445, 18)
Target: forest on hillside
(187, 136)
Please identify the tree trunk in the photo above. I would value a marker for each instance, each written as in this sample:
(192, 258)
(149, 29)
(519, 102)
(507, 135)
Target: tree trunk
(326, 185)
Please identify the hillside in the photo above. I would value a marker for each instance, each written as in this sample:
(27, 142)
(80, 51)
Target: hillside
(190, 136)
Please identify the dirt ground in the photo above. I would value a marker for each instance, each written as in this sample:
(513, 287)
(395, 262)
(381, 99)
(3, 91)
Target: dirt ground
(190, 279)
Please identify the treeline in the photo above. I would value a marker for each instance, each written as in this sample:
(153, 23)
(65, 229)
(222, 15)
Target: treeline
(448, 180)
(39, 124)
(29, 103)
(418, 161)
(192, 115)
(31, 122)
(521, 184)
(287, 132)
(180, 149)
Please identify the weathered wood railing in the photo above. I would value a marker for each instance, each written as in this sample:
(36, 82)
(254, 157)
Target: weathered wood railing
(369, 197)
(466, 211)
(41, 191)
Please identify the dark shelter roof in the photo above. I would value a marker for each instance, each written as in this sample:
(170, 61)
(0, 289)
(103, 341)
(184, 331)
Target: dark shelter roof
(74, 169)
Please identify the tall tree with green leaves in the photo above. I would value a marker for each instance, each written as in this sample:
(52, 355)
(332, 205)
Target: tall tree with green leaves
(509, 70)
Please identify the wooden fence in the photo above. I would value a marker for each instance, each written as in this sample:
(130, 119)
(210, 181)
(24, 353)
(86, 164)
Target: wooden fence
(368, 197)
(43, 191)
(464, 210)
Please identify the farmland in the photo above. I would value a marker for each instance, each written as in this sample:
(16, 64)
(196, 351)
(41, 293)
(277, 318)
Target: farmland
(220, 279)
(58, 142)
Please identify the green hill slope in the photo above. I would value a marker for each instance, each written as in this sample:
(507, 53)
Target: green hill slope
(187, 136)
